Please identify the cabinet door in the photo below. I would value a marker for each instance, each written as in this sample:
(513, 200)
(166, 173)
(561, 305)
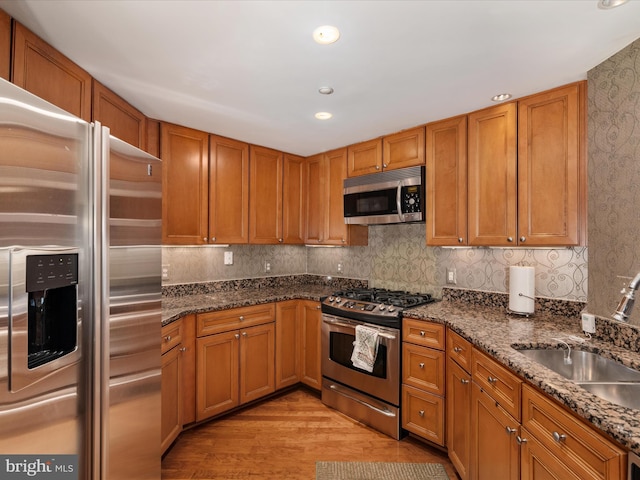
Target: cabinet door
(311, 316)
(189, 369)
(153, 137)
(217, 374)
(228, 190)
(316, 185)
(124, 120)
(288, 343)
(447, 182)
(171, 420)
(550, 167)
(5, 45)
(185, 177)
(458, 407)
(539, 464)
(265, 198)
(492, 182)
(494, 450)
(293, 203)
(42, 70)
(257, 362)
(364, 158)
(403, 149)
(337, 232)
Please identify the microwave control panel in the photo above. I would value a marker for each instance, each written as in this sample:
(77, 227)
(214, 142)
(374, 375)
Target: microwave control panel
(411, 199)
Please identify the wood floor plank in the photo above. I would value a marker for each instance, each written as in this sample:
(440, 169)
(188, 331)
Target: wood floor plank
(283, 437)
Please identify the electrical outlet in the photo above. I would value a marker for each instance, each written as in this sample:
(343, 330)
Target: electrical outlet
(228, 258)
(588, 323)
(267, 267)
(165, 272)
(451, 276)
(339, 267)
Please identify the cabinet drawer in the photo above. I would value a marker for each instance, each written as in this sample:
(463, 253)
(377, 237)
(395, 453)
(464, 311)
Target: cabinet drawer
(420, 332)
(576, 444)
(423, 414)
(459, 350)
(235, 318)
(498, 382)
(423, 368)
(171, 335)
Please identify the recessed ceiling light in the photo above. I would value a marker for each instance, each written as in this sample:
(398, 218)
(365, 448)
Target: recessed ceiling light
(501, 97)
(609, 4)
(325, 90)
(323, 115)
(326, 34)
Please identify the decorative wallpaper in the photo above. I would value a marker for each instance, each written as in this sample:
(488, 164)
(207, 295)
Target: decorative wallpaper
(614, 179)
(397, 258)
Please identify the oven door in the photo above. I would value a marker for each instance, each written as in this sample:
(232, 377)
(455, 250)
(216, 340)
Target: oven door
(338, 335)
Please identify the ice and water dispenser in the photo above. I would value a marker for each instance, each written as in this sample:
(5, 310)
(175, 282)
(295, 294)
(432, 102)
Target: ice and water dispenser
(51, 285)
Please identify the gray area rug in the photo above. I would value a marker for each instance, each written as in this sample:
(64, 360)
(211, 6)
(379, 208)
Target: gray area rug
(379, 471)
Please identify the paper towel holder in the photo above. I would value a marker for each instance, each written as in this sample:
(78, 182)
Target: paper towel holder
(526, 296)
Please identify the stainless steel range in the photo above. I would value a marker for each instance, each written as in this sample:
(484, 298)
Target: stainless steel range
(371, 397)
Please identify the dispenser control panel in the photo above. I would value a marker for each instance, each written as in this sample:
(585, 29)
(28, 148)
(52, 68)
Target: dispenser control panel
(51, 271)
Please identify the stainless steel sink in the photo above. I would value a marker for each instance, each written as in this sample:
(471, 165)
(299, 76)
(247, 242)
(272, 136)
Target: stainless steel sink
(599, 375)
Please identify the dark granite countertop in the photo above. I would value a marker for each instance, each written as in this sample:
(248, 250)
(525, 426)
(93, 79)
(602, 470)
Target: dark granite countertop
(494, 331)
(174, 307)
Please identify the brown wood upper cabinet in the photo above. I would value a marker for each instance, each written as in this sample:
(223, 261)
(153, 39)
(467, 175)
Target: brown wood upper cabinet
(446, 159)
(228, 190)
(400, 150)
(265, 198)
(324, 176)
(185, 185)
(293, 202)
(525, 170)
(42, 70)
(124, 120)
(5, 45)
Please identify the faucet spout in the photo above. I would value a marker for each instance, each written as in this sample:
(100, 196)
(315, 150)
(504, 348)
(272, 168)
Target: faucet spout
(625, 306)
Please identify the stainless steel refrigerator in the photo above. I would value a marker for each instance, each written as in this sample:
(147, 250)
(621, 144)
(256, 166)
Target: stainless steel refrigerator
(80, 296)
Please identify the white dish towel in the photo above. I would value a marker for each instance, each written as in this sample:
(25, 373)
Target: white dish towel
(365, 348)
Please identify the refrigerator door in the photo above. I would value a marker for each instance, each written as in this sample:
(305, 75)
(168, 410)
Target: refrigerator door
(44, 209)
(133, 262)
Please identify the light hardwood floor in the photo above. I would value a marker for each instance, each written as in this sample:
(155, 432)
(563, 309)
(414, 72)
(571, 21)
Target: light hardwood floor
(282, 438)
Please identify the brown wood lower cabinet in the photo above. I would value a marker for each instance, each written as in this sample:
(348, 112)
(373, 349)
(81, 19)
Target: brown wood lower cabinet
(458, 407)
(172, 387)
(311, 318)
(495, 452)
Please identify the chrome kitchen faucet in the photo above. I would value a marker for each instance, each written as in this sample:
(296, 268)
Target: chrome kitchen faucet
(626, 303)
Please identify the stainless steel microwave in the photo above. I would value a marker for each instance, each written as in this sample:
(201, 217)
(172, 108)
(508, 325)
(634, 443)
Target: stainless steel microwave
(394, 196)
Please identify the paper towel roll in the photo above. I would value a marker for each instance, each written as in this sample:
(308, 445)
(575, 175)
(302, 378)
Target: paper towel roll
(522, 289)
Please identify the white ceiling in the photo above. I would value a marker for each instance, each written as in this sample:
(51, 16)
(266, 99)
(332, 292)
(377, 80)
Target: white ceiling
(250, 69)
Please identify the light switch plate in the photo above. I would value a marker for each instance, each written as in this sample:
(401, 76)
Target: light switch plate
(228, 258)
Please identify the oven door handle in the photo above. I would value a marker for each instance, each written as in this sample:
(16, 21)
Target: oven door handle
(352, 326)
(340, 391)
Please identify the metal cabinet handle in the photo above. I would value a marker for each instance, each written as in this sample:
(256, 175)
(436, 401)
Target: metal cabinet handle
(559, 437)
(421, 413)
(377, 167)
(422, 333)
(244, 334)
(421, 365)
(523, 239)
(237, 335)
(464, 381)
(344, 241)
(491, 379)
(510, 430)
(460, 240)
(183, 349)
(205, 239)
(241, 318)
(167, 338)
(213, 239)
(457, 349)
(521, 440)
(280, 240)
(318, 307)
(509, 239)
(384, 165)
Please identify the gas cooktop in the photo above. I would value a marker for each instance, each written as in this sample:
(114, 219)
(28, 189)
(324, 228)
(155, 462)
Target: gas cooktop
(373, 305)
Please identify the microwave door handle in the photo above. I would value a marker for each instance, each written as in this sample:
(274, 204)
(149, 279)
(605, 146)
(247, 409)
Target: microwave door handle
(399, 201)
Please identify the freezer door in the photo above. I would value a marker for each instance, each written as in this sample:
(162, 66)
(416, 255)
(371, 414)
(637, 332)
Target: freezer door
(44, 208)
(134, 273)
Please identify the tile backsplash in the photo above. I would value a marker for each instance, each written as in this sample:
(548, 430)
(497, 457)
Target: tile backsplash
(397, 257)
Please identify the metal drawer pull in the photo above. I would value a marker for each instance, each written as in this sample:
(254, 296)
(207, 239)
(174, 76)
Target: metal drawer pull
(521, 440)
(559, 437)
(464, 381)
(457, 349)
(422, 334)
(244, 334)
(421, 413)
(167, 338)
(183, 349)
(421, 365)
(491, 379)
(510, 430)
(237, 335)
(241, 318)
